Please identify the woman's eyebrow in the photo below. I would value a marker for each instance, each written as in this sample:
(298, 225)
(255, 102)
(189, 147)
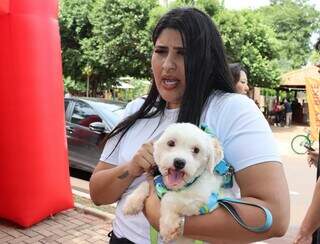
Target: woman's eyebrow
(166, 47)
(160, 46)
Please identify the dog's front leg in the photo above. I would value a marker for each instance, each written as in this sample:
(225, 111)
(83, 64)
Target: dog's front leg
(170, 220)
(135, 201)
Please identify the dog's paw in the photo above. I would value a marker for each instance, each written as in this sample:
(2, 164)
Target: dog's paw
(170, 228)
(135, 201)
(132, 206)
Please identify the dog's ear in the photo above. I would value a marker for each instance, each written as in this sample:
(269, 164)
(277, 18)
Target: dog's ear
(216, 154)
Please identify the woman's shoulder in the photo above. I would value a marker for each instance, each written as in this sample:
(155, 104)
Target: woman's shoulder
(134, 105)
(222, 100)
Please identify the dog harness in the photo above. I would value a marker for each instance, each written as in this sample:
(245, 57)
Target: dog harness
(224, 169)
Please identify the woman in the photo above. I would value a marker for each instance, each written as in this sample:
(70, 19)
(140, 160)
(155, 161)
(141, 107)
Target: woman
(192, 83)
(240, 79)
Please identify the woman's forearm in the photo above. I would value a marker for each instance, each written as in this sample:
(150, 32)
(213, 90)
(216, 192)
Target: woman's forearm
(107, 185)
(219, 224)
(311, 221)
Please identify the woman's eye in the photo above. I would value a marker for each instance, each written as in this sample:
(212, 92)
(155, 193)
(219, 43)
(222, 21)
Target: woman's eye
(160, 51)
(196, 150)
(171, 143)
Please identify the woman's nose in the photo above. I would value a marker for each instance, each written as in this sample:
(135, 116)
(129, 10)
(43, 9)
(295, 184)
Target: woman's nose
(169, 63)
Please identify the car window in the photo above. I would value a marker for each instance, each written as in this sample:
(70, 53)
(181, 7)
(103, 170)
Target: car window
(84, 115)
(111, 112)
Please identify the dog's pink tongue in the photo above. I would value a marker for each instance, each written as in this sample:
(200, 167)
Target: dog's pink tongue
(175, 177)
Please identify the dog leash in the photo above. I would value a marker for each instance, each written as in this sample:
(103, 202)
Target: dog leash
(214, 202)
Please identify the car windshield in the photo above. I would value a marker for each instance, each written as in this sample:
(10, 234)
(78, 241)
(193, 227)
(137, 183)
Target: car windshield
(113, 112)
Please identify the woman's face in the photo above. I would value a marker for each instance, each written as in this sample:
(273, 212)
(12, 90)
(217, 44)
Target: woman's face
(242, 85)
(168, 67)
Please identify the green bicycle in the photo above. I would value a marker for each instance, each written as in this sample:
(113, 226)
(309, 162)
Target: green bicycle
(300, 144)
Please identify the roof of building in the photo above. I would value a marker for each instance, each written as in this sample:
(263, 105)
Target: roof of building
(296, 78)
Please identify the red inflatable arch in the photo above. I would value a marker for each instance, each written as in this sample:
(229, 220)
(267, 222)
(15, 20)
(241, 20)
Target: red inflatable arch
(34, 177)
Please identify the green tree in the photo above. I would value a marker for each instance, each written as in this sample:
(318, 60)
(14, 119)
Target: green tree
(294, 21)
(211, 7)
(251, 42)
(74, 26)
(109, 36)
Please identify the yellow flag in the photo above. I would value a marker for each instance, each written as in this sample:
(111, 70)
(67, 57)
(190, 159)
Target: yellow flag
(313, 98)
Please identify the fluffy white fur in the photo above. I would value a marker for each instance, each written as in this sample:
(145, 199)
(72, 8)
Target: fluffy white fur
(200, 152)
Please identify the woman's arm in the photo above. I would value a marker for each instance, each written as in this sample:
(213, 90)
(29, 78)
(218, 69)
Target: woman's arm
(311, 221)
(264, 184)
(108, 182)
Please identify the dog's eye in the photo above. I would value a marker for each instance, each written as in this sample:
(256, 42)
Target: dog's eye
(196, 150)
(171, 143)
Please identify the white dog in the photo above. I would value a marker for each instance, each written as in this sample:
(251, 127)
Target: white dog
(186, 157)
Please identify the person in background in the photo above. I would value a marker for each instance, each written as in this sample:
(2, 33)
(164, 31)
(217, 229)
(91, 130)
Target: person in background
(288, 112)
(192, 83)
(277, 109)
(311, 221)
(240, 79)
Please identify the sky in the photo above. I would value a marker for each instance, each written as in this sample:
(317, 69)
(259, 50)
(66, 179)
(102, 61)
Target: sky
(239, 4)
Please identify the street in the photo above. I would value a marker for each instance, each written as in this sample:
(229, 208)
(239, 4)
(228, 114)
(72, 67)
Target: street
(301, 179)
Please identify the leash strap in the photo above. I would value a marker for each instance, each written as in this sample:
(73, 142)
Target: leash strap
(153, 235)
(226, 203)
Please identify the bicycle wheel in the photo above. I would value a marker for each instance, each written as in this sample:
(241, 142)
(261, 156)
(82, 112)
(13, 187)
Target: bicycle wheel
(298, 144)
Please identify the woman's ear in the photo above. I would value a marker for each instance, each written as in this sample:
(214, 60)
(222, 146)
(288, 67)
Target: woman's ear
(216, 154)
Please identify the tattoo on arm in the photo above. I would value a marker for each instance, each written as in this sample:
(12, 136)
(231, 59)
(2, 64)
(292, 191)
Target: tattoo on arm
(124, 175)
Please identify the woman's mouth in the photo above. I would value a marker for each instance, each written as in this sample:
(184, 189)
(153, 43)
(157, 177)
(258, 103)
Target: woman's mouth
(169, 83)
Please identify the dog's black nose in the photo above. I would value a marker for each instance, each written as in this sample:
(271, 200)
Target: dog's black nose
(179, 163)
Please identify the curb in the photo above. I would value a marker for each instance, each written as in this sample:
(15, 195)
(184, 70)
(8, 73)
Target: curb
(89, 210)
(94, 212)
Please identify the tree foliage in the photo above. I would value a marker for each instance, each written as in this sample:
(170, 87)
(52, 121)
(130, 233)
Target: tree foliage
(252, 43)
(109, 36)
(293, 21)
(112, 38)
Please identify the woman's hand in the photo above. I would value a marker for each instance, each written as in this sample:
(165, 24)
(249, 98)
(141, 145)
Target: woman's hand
(143, 160)
(313, 158)
(152, 206)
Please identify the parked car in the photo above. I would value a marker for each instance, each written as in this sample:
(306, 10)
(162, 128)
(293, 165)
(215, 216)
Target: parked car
(88, 121)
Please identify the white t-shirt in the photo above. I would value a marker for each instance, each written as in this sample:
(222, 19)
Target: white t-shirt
(244, 133)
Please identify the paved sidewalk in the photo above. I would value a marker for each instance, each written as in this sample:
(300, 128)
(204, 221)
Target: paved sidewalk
(70, 226)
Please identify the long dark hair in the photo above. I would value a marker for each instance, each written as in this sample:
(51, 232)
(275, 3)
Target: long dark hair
(235, 69)
(206, 68)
